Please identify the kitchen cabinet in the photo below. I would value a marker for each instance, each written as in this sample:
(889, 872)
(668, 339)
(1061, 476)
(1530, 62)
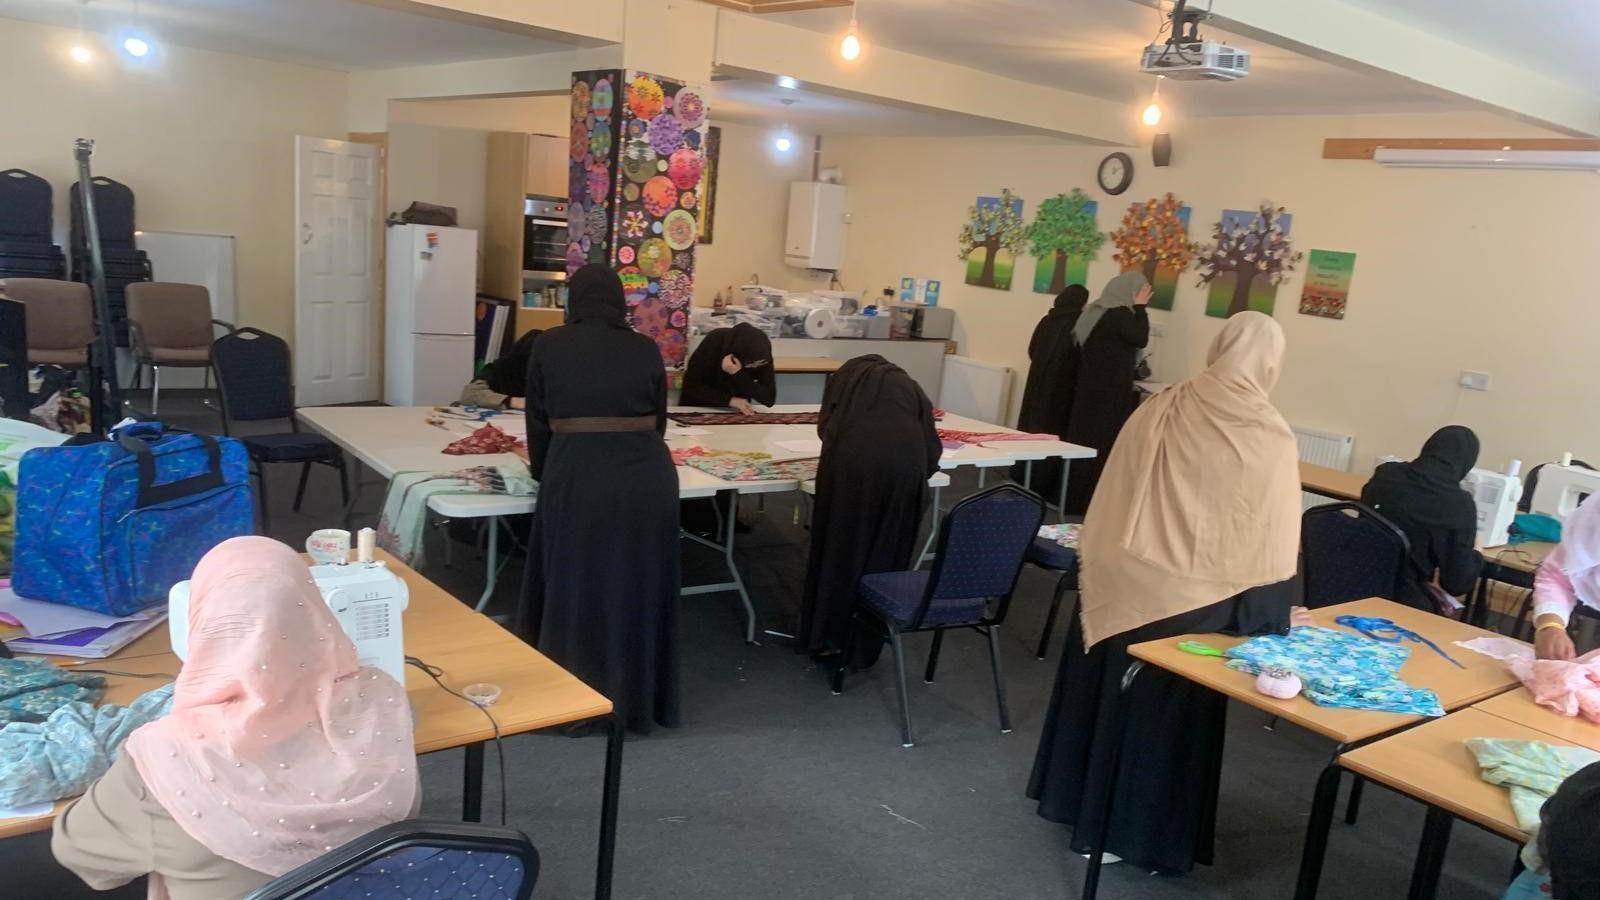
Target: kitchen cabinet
(546, 172)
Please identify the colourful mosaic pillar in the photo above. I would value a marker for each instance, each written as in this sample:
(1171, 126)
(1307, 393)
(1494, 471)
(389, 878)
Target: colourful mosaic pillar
(636, 157)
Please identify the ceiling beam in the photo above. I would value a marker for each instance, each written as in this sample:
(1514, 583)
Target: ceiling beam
(754, 47)
(1361, 39)
(587, 23)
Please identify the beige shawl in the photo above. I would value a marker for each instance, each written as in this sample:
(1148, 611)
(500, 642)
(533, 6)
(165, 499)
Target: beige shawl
(1200, 498)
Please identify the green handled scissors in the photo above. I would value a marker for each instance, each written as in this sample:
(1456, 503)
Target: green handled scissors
(1199, 649)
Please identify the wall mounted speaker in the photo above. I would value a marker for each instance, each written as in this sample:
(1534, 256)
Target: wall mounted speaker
(1161, 150)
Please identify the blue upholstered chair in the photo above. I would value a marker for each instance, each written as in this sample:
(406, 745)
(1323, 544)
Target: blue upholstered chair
(982, 543)
(1051, 556)
(256, 383)
(417, 859)
(1350, 552)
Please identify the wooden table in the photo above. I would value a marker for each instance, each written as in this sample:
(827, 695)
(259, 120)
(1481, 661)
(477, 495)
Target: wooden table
(1331, 482)
(535, 693)
(1518, 706)
(1481, 678)
(805, 365)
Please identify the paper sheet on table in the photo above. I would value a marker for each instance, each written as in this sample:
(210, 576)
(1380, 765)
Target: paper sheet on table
(676, 431)
(44, 619)
(25, 812)
(810, 446)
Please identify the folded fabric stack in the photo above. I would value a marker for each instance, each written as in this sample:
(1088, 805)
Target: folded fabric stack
(64, 754)
(1531, 771)
(1066, 534)
(732, 466)
(1339, 669)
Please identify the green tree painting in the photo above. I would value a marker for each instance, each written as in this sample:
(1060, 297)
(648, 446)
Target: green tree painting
(1064, 238)
(991, 240)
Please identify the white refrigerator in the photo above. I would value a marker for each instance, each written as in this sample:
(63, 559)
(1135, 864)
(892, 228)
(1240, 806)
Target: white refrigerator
(430, 293)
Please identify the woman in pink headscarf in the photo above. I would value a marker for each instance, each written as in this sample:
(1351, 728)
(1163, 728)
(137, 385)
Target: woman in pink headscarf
(279, 746)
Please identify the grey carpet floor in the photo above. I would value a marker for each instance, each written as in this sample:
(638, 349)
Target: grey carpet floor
(774, 788)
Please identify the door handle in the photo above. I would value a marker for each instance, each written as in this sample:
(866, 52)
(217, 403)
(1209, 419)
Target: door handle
(306, 227)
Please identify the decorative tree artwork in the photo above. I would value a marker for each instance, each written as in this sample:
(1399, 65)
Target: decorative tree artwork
(1327, 287)
(638, 173)
(991, 240)
(1064, 238)
(1248, 257)
(1153, 238)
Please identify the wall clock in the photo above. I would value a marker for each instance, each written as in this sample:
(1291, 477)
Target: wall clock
(1116, 173)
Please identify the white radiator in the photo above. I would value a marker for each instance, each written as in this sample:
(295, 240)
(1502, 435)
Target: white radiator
(1323, 448)
(975, 389)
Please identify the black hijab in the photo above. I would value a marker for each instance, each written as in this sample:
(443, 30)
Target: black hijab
(594, 294)
(867, 386)
(1071, 300)
(748, 345)
(1571, 826)
(509, 374)
(1427, 491)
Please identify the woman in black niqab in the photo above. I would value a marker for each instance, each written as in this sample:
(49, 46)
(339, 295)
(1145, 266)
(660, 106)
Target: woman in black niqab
(1052, 375)
(1424, 498)
(707, 380)
(601, 592)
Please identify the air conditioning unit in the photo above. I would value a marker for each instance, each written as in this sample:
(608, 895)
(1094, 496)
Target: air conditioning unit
(814, 238)
(1578, 160)
(1195, 61)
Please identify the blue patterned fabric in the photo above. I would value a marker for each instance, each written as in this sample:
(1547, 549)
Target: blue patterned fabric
(82, 540)
(32, 688)
(1339, 669)
(1051, 555)
(895, 596)
(987, 538)
(430, 872)
(64, 754)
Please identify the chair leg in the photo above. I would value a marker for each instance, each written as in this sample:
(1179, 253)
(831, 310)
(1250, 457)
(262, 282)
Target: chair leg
(900, 681)
(1352, 807)
(933, 656)
(1050, 617)
(155, 390)
(300, 492)
(845, 657)
(261, 493)
(344, 479)
(999, 681)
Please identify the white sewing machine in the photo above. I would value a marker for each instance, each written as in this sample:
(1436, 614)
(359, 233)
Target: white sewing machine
(1496, 495)
(366, 597)
(1561, 488)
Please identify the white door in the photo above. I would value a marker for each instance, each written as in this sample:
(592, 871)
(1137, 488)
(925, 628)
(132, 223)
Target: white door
(336, 313)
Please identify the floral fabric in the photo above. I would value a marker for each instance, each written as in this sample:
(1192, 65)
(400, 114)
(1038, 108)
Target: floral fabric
(750, 467)
(405, 507)
(64, 754)
(1339, 669)
(32, 688)
(1066, 535)
(488, 439)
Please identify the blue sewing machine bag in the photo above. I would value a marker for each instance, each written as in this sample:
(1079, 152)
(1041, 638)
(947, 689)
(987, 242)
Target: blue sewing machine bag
(110, 526)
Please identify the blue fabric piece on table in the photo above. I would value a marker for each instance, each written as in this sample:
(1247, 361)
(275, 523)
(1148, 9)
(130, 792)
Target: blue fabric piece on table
(63, 755)
(895, 597)
(1051, 555)
(1339, 669)
(32, 688)
(1534, 527)
(1530, 885)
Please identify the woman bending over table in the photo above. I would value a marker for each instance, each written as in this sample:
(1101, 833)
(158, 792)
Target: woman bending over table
(279, 746)
(1194, 528)
(1569, 576)
(731, 367)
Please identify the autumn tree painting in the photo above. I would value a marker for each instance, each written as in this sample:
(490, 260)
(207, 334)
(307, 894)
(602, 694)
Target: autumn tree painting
(991, 239)
(1250, 250)
(1153, 238)
(1063, 235)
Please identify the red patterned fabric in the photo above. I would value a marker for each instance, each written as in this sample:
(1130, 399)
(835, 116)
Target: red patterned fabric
(487, 439)
(983, 437)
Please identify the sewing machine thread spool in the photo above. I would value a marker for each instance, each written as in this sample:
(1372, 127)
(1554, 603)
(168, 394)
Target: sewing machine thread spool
(1566, 458)
(366, 543)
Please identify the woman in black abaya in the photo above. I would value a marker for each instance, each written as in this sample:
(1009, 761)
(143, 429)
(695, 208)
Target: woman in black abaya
(879, 447)
(602, 583)
(1424, 498)
(1108, 335)
(1052, 375)
(731, 367)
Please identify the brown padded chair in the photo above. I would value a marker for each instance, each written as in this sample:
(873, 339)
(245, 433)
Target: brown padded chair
(60, 320)
(169, 324)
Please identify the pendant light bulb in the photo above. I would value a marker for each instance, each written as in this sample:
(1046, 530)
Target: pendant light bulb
(1152, 113)
(850, 46)
(80, 54)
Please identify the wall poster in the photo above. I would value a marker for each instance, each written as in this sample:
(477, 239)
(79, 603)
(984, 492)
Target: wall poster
(1248, 257)
(1327, 287)
(1063, 238)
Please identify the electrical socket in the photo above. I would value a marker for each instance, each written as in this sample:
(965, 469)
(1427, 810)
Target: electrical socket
(1474, 381)
(1157, 330)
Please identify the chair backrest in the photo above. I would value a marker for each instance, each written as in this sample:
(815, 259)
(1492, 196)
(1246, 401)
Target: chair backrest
(982, 544)
(1349, 551)
(417, 859)
(25, 208)
(60, 313)
(113, 210)
(171, 314)
(254, 377)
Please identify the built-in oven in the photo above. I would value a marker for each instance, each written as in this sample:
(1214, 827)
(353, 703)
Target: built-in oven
(544, 234)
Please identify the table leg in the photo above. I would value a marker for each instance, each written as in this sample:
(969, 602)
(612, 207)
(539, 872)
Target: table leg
(491, 571)
(1430, 854)
(737, 582)
(933, 530)
(1097, 846)
(472, 784)
(355, 496)
(610, 793)
(1061, 501)
(1323, 804)
(1027, 474)
(983, 477)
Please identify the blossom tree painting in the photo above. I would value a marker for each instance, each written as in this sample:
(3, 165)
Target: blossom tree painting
(991, 240)
(1248, 257)
(1064, 238)
(1154, 238)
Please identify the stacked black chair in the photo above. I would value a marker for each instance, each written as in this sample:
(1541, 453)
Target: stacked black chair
(27, 249)
(125, 263)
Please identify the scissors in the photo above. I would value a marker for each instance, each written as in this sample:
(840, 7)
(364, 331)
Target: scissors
(1199, 649)
(1386, 631)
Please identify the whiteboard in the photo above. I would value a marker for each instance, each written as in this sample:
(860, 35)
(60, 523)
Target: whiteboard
(203, 259)
(975, 389)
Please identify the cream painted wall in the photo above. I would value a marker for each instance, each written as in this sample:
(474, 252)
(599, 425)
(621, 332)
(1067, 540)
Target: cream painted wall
(445, 166)
(752, 209)
(535, 115)
(1489, 271)
(205, 140)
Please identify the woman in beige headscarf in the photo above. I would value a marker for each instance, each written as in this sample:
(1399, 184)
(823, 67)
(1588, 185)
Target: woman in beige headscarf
(1194, 528)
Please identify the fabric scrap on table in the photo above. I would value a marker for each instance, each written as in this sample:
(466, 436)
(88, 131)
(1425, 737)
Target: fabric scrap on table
(405, 507)
(1065, 534)
(746, 467)
(1339, 669)
(32, 689)
(1531, 771)
(1566, 687)
(679, 454)
(760, 418)
(983, 437)
(488, 439)
(63, 755)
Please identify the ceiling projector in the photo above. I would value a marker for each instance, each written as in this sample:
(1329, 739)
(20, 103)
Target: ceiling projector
(1195, 61)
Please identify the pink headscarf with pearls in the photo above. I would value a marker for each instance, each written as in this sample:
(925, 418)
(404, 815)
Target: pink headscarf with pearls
(279, 747)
